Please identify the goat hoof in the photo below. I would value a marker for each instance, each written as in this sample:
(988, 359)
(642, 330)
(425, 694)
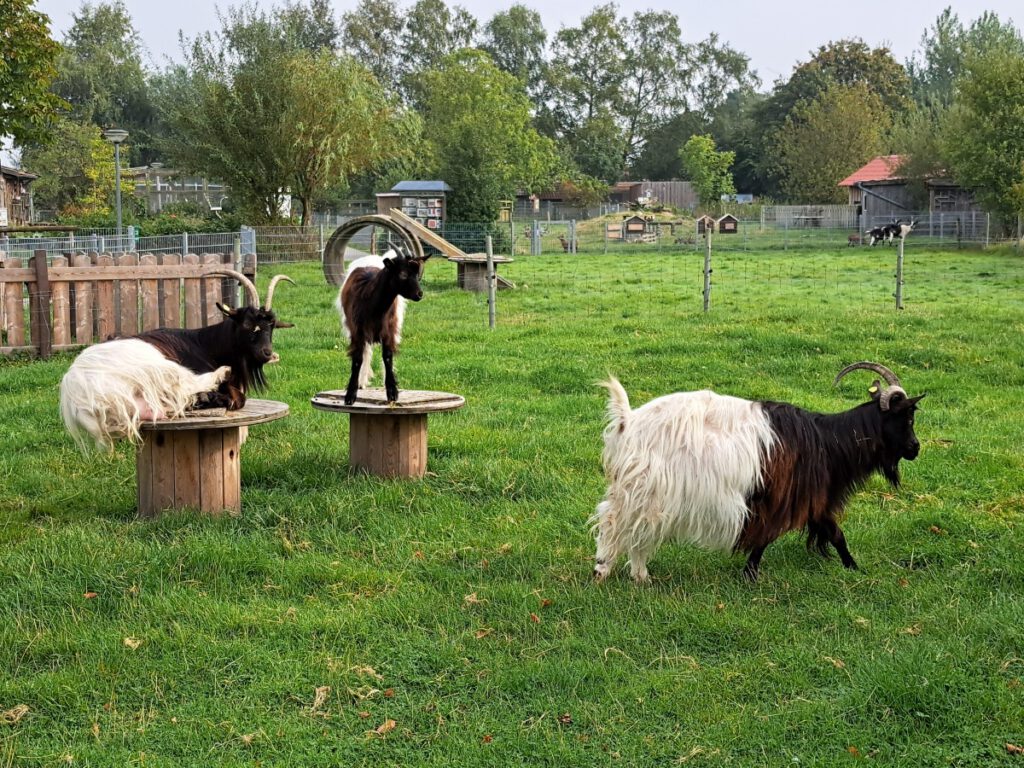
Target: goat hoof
(751, 574)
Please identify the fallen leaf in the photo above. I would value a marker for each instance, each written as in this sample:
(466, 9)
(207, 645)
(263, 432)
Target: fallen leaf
(914, 629)
(904, 583)
(320, 697)
(837, 663)
(249, 738)
(505, 548)
(95, 730)
(1013, 749)
(90, 595)
(565, 719)
(418, 554)
(367, 672)
(535, 618)
(860, 621)
(545, 602)
(488, 739)
(472, 599)
(132, 642)
(14, 714)
(386, 727)
(389, 693)
(936, 530)
(482, 633)
(719, 606)
(363, 715)
(853, 751)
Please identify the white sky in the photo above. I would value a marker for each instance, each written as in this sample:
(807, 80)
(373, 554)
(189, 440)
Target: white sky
(775, 35)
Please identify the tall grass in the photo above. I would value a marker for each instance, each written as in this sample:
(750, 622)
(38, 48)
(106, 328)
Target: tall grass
(454, 620)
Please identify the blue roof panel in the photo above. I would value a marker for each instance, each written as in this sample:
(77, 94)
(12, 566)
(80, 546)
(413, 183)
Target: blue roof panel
(421, 186)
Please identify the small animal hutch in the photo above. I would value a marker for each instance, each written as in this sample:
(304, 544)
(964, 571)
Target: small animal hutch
(424, 201)
(728, 225)
(704, 223)
(634, 230)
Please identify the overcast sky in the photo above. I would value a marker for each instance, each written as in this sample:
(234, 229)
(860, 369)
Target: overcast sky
(775, 35)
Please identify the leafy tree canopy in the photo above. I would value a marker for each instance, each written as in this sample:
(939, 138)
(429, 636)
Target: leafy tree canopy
(708, 169)
(28, 57)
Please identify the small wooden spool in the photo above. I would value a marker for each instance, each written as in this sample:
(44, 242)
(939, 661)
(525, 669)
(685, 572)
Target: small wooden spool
(388, 440)
(193, 462)
(471, 271)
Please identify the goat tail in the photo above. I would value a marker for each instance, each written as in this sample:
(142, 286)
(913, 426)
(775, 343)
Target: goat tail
(619, 412)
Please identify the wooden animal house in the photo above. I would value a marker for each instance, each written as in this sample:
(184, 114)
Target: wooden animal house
(635, 230)
(704, 223)
(728, 225)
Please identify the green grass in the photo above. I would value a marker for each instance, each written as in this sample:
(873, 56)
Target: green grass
(461, 607)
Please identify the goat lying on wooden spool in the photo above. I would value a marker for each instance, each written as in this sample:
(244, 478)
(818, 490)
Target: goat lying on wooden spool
(732, 474)
(114, 386)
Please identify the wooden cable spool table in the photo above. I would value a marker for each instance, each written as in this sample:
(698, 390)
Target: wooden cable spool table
(193, 461)
(388, 440)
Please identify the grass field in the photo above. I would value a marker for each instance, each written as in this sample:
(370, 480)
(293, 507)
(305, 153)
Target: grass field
(352, 621)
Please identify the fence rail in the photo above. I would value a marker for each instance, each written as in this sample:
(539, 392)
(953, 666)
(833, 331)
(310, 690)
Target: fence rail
(63, 302)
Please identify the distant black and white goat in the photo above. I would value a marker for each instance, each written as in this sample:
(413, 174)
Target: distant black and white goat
(371, 303)
(732, 474)
(113, 387)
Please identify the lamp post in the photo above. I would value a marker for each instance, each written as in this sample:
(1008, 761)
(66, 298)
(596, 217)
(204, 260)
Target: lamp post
(115, 136)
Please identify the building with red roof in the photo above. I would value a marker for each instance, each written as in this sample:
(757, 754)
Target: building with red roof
(881, 190)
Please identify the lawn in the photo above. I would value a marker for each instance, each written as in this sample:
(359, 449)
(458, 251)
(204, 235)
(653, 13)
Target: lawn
(452, 621)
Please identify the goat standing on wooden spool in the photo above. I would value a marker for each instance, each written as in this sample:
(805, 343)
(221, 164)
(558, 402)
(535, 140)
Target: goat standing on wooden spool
(114, 386)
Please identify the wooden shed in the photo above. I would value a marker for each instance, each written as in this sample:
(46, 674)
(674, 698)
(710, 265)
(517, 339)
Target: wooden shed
(15, 197)
(705, 222)
(424, 201)
(728, 225)
(634, 229)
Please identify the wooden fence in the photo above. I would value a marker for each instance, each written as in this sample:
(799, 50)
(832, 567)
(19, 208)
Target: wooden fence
(79, 299)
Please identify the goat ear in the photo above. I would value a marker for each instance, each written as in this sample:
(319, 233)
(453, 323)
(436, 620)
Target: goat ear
(226, 311)
(389, 263)
(280, 324)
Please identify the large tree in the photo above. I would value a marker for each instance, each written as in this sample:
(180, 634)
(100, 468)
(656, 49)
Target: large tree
(477, 124)
(708, 169)
(515, 40)
(27, 66)
(76, 170)
(373, 35)
(984, 140)
(432, 31)
(826, 138)
(102, 77)
(254, 107)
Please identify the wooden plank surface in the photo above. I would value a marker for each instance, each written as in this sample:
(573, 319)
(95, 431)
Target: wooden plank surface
(254, 412)
(232, 470)
(211, 469)
(128, 298)
(426, 235)
(106, 319)
(193, 296)
(187, 488)
(14, 306)
(374, 400)
(212, 291)
(170, 293)
(150, 290)
(61, 293)
(148, 270)
(83, 303)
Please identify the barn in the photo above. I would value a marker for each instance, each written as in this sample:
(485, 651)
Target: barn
(883, 192)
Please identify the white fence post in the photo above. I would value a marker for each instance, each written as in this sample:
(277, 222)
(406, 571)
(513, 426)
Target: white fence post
(707, 267)
(492, 280)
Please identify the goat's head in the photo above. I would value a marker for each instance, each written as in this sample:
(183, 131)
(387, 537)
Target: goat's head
(404, 272)
(253, 325)
(897, 410)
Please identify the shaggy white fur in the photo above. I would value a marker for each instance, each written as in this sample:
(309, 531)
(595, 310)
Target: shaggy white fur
(111, 388)
(680, 467)
(375, 262)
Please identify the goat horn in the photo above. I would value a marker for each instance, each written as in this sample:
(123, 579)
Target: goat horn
(273, 284)
(890, 378)
(334, 251)
(254, 296)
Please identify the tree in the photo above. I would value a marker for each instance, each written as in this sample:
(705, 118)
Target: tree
(708, 169)
(716, 70)
(827, 138)
(76, 170)
(252, 107)
(373, 35)
(984, 138)
(432, 31)
(27, 105)
(477, 124)
(515, 39)
(102, 77)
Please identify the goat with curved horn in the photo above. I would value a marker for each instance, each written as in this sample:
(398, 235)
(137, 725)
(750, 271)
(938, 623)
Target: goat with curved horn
(885, 396)
(334, 251)
(250, 288)
(270, 289)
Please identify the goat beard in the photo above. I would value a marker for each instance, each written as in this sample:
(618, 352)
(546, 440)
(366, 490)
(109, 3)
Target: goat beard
(892, 473)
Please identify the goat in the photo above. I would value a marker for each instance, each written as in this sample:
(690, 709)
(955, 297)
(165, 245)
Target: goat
(732, 474)
(905, 229)
(371, 303)
(853, 239)
(114, 386)
(875, 235)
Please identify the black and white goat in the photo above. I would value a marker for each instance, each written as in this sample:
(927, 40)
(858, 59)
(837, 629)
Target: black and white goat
(732, 474)
(371, 303)
(113, 387)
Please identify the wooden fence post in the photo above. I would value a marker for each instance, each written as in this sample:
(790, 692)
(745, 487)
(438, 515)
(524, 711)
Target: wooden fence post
(39, 306)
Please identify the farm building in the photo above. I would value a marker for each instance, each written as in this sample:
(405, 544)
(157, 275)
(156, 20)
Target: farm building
(16, 197)
(634, 230)
(882, 192)
(160, 187)
(421, 200)
(677, 194)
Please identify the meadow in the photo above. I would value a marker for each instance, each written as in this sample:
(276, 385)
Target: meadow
(348, 620)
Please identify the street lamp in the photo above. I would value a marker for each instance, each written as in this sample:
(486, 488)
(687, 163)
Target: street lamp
(115, 136)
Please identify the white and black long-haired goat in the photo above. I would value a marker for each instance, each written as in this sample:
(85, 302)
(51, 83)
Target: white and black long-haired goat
(731, 474)
(113, 387)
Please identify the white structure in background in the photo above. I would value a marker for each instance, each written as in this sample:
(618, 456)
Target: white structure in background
(160, 187)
